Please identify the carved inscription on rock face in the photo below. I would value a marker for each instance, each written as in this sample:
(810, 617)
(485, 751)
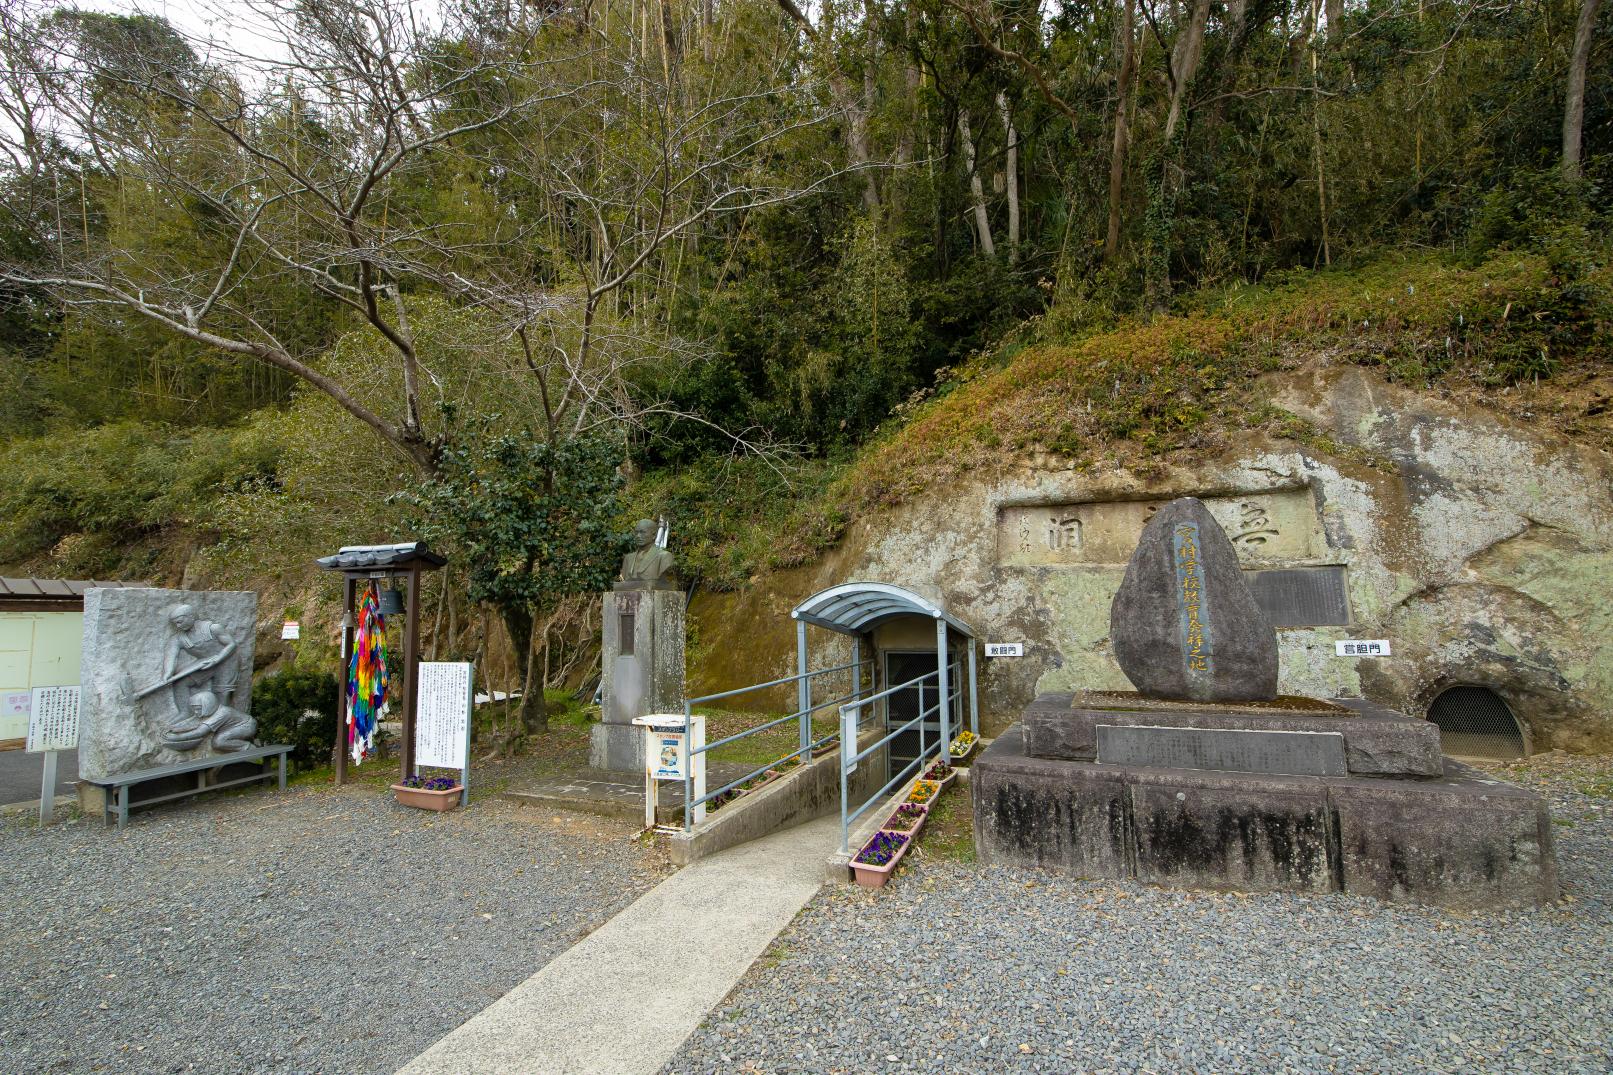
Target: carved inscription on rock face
(1277, 525)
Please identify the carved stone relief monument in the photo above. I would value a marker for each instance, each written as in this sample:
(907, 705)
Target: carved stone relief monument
(1275, 535)
(167, 678)
(1206, 778)
(642, 655)
(1264, 526)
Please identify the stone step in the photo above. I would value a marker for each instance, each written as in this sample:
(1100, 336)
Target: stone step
(1377, 741)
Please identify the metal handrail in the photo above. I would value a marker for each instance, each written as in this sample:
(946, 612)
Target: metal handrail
(773, 724)
(848, 735)
(893, 690)
(804, 715)
(770, 683)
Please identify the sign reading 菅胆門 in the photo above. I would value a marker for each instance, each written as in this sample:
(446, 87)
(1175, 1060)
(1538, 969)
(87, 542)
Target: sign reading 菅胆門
(442, 714)
(1362, 647)
(1196, 647)
(53, 721)
(1005, 649)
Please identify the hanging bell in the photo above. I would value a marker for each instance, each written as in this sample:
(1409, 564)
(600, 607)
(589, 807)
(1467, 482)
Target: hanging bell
(391, 603)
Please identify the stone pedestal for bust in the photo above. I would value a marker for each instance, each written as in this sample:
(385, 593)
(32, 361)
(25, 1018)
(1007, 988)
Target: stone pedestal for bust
(642, 671)
(127, 635)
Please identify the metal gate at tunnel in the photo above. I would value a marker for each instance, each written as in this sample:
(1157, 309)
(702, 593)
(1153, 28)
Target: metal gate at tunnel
(910, 666)
(1476, 722)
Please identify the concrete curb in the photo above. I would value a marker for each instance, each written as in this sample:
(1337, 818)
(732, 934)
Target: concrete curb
(805, 792)
(31, 806)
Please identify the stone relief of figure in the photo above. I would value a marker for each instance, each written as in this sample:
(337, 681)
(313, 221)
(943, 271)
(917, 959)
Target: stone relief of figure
(230, 728)
(198, 659)
(647, 566)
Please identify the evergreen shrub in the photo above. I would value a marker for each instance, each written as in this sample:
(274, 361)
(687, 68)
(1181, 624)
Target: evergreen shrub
(298, 706)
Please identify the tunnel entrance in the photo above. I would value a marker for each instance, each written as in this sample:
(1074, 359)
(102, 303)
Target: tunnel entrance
(1477, 723)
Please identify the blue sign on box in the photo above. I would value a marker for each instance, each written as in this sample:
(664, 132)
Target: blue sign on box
(670, 755)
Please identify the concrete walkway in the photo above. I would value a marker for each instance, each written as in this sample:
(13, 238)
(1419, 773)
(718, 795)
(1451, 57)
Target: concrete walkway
(622, 1000)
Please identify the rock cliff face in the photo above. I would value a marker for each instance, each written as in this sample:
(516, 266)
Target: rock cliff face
(1481, 548)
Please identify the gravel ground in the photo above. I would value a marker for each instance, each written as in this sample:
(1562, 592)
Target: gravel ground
(316, 931)
(964, 968)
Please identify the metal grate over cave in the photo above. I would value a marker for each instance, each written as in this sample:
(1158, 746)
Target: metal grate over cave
(1477, 723)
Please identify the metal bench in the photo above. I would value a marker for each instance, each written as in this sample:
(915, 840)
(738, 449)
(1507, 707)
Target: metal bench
(117, 799)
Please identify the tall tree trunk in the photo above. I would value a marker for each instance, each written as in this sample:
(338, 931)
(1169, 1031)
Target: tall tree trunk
(976, 192)
(533, 714)
(856, 111)
(1574, 107)
(1185, 63)
(1164, 175)
(910, 83)
(1011, 175)
(856, 135)
(1316, 144)
(1117, 158)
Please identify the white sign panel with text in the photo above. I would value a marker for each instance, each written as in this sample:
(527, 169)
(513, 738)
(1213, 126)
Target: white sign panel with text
(53, 722)
(442, 714)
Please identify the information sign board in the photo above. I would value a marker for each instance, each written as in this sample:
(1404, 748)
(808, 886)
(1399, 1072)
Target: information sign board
(1005, 649)
(1362, 647)
(53, 721)
(442, 714)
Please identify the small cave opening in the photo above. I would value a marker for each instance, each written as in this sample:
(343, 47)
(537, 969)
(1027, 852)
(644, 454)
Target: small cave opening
(1476, 722)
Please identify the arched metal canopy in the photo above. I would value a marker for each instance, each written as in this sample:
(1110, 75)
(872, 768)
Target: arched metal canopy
(853, 608)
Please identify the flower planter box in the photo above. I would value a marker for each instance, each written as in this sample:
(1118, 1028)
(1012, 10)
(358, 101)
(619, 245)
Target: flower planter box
(895, 822)
(924, 792)
(872, 875)
(942, 781)
(960, 751)
(423, 799)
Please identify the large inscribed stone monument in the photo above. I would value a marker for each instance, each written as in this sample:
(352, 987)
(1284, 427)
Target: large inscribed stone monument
(1184, 624)
(167, 678)
(1205, 778)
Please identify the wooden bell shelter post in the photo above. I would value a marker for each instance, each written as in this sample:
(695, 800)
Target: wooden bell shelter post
(363, 563)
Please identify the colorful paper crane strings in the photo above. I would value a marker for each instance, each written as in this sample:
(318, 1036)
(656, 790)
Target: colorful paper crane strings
(366, 678)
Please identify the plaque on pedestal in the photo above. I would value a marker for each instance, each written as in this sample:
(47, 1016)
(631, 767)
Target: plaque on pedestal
(642, 671)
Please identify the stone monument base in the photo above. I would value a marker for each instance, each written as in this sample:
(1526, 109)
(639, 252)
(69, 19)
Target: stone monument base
(1377, 741)
(1201, 798)
(616, 746)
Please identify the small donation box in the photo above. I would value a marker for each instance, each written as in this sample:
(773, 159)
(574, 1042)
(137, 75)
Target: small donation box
(668, 756)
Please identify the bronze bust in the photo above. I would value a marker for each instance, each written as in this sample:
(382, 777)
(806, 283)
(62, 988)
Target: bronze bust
(646, 567)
